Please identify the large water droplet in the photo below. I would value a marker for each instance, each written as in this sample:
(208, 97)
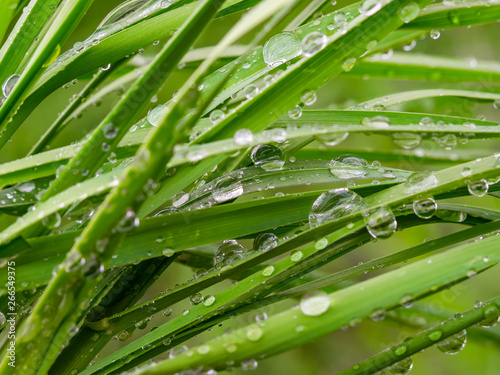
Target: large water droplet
(280, 48)
(407, 140)
(314, 303)
(155, 114)
(478, 188)
(348, 166)
(268, 157)
(333, 139)
(453, 344)
(380, 222)
(402, 367)
(409, 12)
(249, 365)
(265, 241)
(425, 208)
(9, 84)
(333, 205)
(420, 181)
(229, 252)
(128, 222)
(52, 221)
(491, 316)
(243, 137)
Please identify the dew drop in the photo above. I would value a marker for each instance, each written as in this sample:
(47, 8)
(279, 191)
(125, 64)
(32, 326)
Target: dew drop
(9, 84)
(308, 97)
(380, 222)
(229, 252)
(409, 12)
(407, 140)
(402, 367)
(333, 205)
(227, 188)
(52, 221)
(478, 188)
(265, 242)
(425, 208)
(243, 137)
(281, 48)
(453, 344)
(314, 303)
(313, 43)
(155, 114)
(268, 157)
(217, 116)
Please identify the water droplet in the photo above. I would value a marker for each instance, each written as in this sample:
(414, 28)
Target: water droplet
(377, 122)
(155, 114)
(321, 243)
(333, 205)
(227, 188)
(378, 315)
(420, 181)
(209, 301)
(93, 267)
(243, 137)
(453, 344)
(254, 333)
(229, 252)
(380, 222)
(308, 97)
(250, 91)
(409, 12)
(478, 188)
(265, 242)
(435, 335)
(281, 48)
(52, 221)
(402, 367)
(331, 140)
(9, 84)
(370, 7)
(447, 141)
(296, 255)
(128, 222)
(217, 116)
(179, 199)
(407, 140)
(196, 299)
(314, 303)
(425, 208)
(268, 271)
(313, 43)
(109, 131)
(348, 166)
(435, 34)
(26, 187)
(268, 157)
(491, 316)
(295, 112)
(249, 365)
(349, 64)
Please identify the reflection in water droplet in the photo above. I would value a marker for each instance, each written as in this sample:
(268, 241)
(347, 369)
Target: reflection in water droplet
(314, 303)
(380, 222)
(281, 48)
(453, 344)
(333, 205)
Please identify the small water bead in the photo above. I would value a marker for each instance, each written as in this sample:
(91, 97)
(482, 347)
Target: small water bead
(295, 113)
(409, 12)
(419, 181)
(425, 208)
(250, 91)
(435, 335)
(331, 140)
(314, 303)
(453, 344)
(378, 315)
(466, 171)
(52, 221)
(128, 222)
(447, 141)
(9, 84)
(313, 43)
(321, 244)
(333, 205)
(491, 316)
(380, 222)
(348, 64)
(478, 188)
(209, 301)
(196, 299)
(377, 122)
(349, 166)
(109, 131)
(435, 34)
(166, 312)
(268, 157)
(369, 7)
(243, 137)
(254, 333)
(281, 48)
(265, 242)
(407, 140)
(179, 199)
(155, 114)
(229, 252)
(402, 367)
(249, 365)
(296, 255)
(227, 188)
(217, 116)
(400, 350)
(268, 271)
(308, 97)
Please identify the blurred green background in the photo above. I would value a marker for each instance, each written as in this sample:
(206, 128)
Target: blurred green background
(345, 348)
